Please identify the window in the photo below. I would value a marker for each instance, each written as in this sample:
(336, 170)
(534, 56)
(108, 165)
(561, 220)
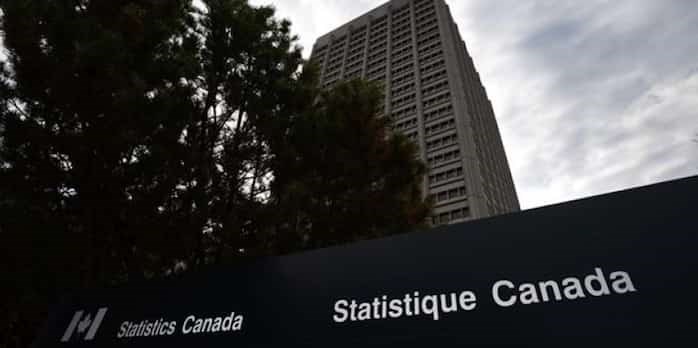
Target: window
(445, 175)
(437, 100)
(443, 158)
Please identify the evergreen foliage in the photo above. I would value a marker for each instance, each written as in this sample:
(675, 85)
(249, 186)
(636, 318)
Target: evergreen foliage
(145, 138)
(348, 178)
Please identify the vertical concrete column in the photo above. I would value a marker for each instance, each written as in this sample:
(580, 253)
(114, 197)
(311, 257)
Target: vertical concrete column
(387, 84)
(367, 44)
(330, 46)
(322, 62)
(456, 79)
(418, 97)
(345, 53)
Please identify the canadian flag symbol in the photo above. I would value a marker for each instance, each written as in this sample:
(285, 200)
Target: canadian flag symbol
(84, 324)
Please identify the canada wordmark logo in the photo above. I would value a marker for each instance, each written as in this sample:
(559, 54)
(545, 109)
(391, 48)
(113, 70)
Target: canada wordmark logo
(85, 324)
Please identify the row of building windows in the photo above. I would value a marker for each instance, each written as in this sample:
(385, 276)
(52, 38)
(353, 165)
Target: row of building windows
(357, 49)
(377, 47)
(376, 71)
(336, 54)
(421, 4)
(427, 29)
(379, 64)
(403, 113)
(427, 58)
(434, 77)
(339, 42)
(440, 127)
(443, 158)
(331, 73)
(403, 100)
(358, 32)
(356, 53)
(399, 26)
(379, 21)
(439, 64)
(354, 74)
(378, 35)
(378, 75)
(403, 69)
(438, 113)
(377, 41)
(335, 61)
(402, 43)
(320, 52)
(442, 141)
(357, 40)
(332, 77)
(428, 40)
(446, 175)
(401, 19)
(353, 66)
(435, 88)
(403, 79)
(454, 215)
(402, 36)
(403, 59)
(424, 15)
(423, 10)
(411, 123)
(403, 89)
(402, 51)
(428, 48)
(448, 195)
(426, 25)
(398, 68)
(436, 100)
(377, 55)
(379, 26)
(401, 11)
(434, 115)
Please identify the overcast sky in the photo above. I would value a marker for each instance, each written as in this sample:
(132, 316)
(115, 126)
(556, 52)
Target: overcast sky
(590, 96)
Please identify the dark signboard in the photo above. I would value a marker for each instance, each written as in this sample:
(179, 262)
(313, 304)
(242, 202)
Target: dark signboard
(620, 269)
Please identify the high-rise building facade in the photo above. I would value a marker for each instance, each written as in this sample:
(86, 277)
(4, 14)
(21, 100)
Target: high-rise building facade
(434, 96)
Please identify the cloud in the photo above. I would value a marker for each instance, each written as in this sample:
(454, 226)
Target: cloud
(313, 18)
(590, 96)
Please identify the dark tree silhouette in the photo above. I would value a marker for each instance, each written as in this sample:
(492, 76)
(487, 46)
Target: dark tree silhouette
(346, 177)
(143, 138)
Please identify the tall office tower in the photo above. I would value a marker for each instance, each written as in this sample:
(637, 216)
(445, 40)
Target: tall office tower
(434, 96)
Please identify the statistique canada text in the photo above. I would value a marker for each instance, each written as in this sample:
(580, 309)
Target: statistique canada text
(504, 293)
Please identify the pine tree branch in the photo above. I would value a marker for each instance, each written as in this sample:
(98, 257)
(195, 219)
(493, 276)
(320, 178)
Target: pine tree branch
(19, 109)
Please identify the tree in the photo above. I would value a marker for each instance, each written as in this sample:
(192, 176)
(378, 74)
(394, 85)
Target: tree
(145, 138)
(92, 109)
(346, 177)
